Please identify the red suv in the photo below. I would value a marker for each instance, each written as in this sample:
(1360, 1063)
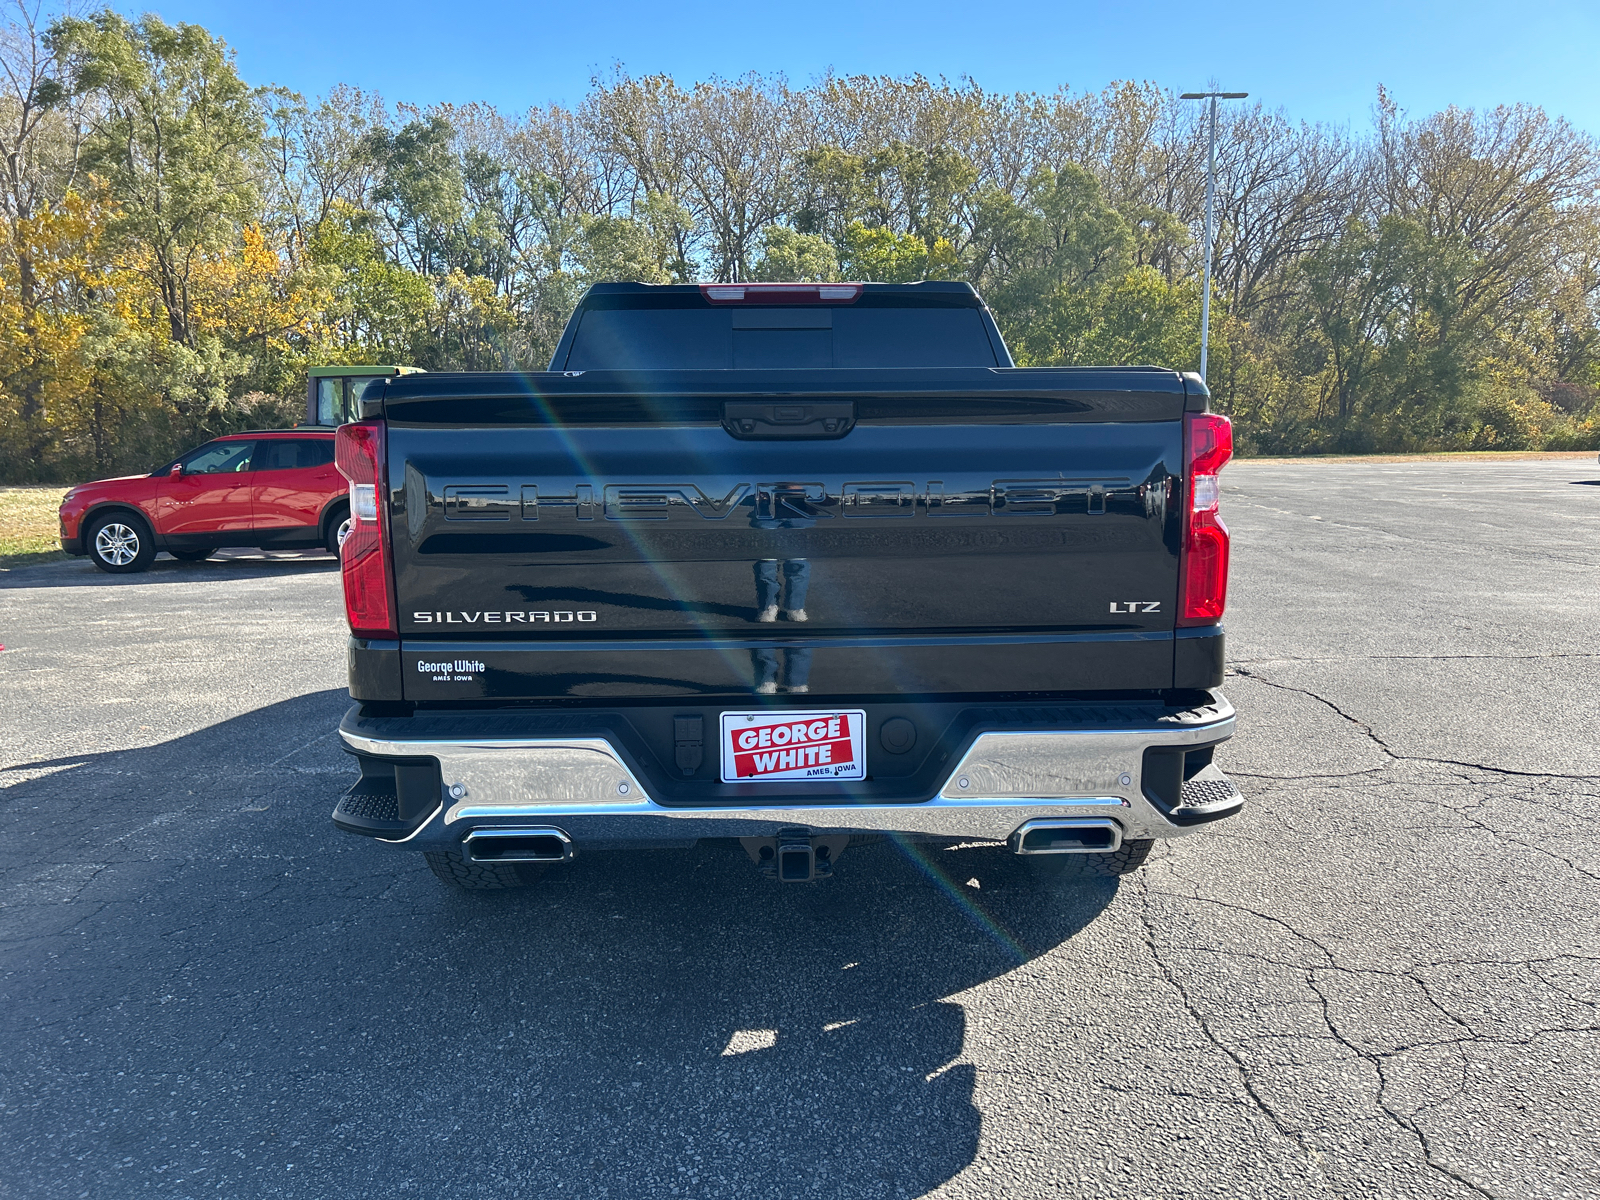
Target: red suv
(274, 489)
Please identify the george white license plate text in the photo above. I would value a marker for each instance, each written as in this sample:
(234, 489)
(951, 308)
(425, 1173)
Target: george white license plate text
(787, 746)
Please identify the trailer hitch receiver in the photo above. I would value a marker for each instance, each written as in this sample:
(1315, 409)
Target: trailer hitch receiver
(796, 855)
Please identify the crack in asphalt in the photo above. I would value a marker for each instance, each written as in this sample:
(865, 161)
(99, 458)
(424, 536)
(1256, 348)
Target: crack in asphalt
(1463, 811)
(1285, 1130)
(1407, 1124)
(1304, 778)
(1377, 1059)
(1372, 735)
(1348, 658)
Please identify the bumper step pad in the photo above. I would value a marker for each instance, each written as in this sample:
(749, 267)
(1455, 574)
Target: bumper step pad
(1208, 796)
(371, 814)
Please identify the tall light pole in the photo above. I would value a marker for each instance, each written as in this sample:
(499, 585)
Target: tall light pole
(1211, 188)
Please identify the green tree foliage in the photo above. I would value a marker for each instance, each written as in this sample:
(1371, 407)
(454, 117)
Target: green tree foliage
(421, 196)
(380, 309)
(1136, 317)
(789, 255)
(175, 134)
(179, 244)
(878, 253)
(641, 249)
(1053, 250)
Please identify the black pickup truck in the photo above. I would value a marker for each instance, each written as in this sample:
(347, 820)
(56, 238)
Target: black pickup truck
(794, 565)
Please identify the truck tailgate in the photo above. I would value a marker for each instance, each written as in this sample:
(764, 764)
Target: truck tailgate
(964, 543)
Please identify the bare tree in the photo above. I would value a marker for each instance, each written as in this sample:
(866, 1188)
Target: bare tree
(741, 154)
(642, 132)
(1515, 185)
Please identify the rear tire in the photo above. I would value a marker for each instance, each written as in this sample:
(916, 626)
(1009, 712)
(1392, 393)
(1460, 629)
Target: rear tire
(199, 555)
(121, 543)
(1129, 857)
(455, 870)
(338, 526)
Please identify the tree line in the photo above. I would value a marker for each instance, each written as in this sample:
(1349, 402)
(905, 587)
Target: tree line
(180, 244)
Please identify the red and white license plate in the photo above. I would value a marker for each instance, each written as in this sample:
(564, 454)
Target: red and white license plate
(758, 746)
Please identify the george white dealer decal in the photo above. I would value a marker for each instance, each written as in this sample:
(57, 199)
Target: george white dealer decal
(549, 617)
(455, 670)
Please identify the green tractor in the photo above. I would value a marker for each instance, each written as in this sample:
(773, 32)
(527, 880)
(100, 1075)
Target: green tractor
(333, 396)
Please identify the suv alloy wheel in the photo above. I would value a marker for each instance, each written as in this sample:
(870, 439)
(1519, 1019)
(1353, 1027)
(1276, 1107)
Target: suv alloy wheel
(121, 544)
(338, 530)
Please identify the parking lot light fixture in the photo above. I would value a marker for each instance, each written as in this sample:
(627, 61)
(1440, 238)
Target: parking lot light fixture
(1211, 187)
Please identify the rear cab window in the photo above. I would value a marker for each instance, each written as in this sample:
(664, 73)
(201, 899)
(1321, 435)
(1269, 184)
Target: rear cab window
(675, 327)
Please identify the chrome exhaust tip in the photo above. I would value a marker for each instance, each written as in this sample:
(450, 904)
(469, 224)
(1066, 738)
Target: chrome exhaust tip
(518, 846)
(1080, 835)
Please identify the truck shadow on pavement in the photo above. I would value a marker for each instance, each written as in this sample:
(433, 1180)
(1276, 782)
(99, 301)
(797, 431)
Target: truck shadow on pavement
(208, 984)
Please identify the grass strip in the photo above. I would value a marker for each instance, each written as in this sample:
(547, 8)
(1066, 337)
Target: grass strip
(29, 530)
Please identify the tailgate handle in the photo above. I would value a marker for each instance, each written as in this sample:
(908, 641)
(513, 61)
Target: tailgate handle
(751, 420)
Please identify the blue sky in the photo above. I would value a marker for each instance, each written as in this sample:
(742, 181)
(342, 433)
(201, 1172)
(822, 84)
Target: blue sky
(1321, 62)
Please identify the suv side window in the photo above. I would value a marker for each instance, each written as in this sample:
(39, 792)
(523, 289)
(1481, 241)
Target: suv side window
(219, 458)
(292, 454)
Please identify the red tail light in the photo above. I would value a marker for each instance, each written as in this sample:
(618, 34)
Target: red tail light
(1203, 573)
(364, 557)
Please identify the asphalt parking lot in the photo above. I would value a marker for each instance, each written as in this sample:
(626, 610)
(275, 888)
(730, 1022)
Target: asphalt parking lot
(1381, 980)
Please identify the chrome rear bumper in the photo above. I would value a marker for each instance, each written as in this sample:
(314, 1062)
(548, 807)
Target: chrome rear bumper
(583, 787)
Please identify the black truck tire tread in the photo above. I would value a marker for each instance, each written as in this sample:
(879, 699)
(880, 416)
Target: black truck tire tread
(455, 870)
(1126, 859)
